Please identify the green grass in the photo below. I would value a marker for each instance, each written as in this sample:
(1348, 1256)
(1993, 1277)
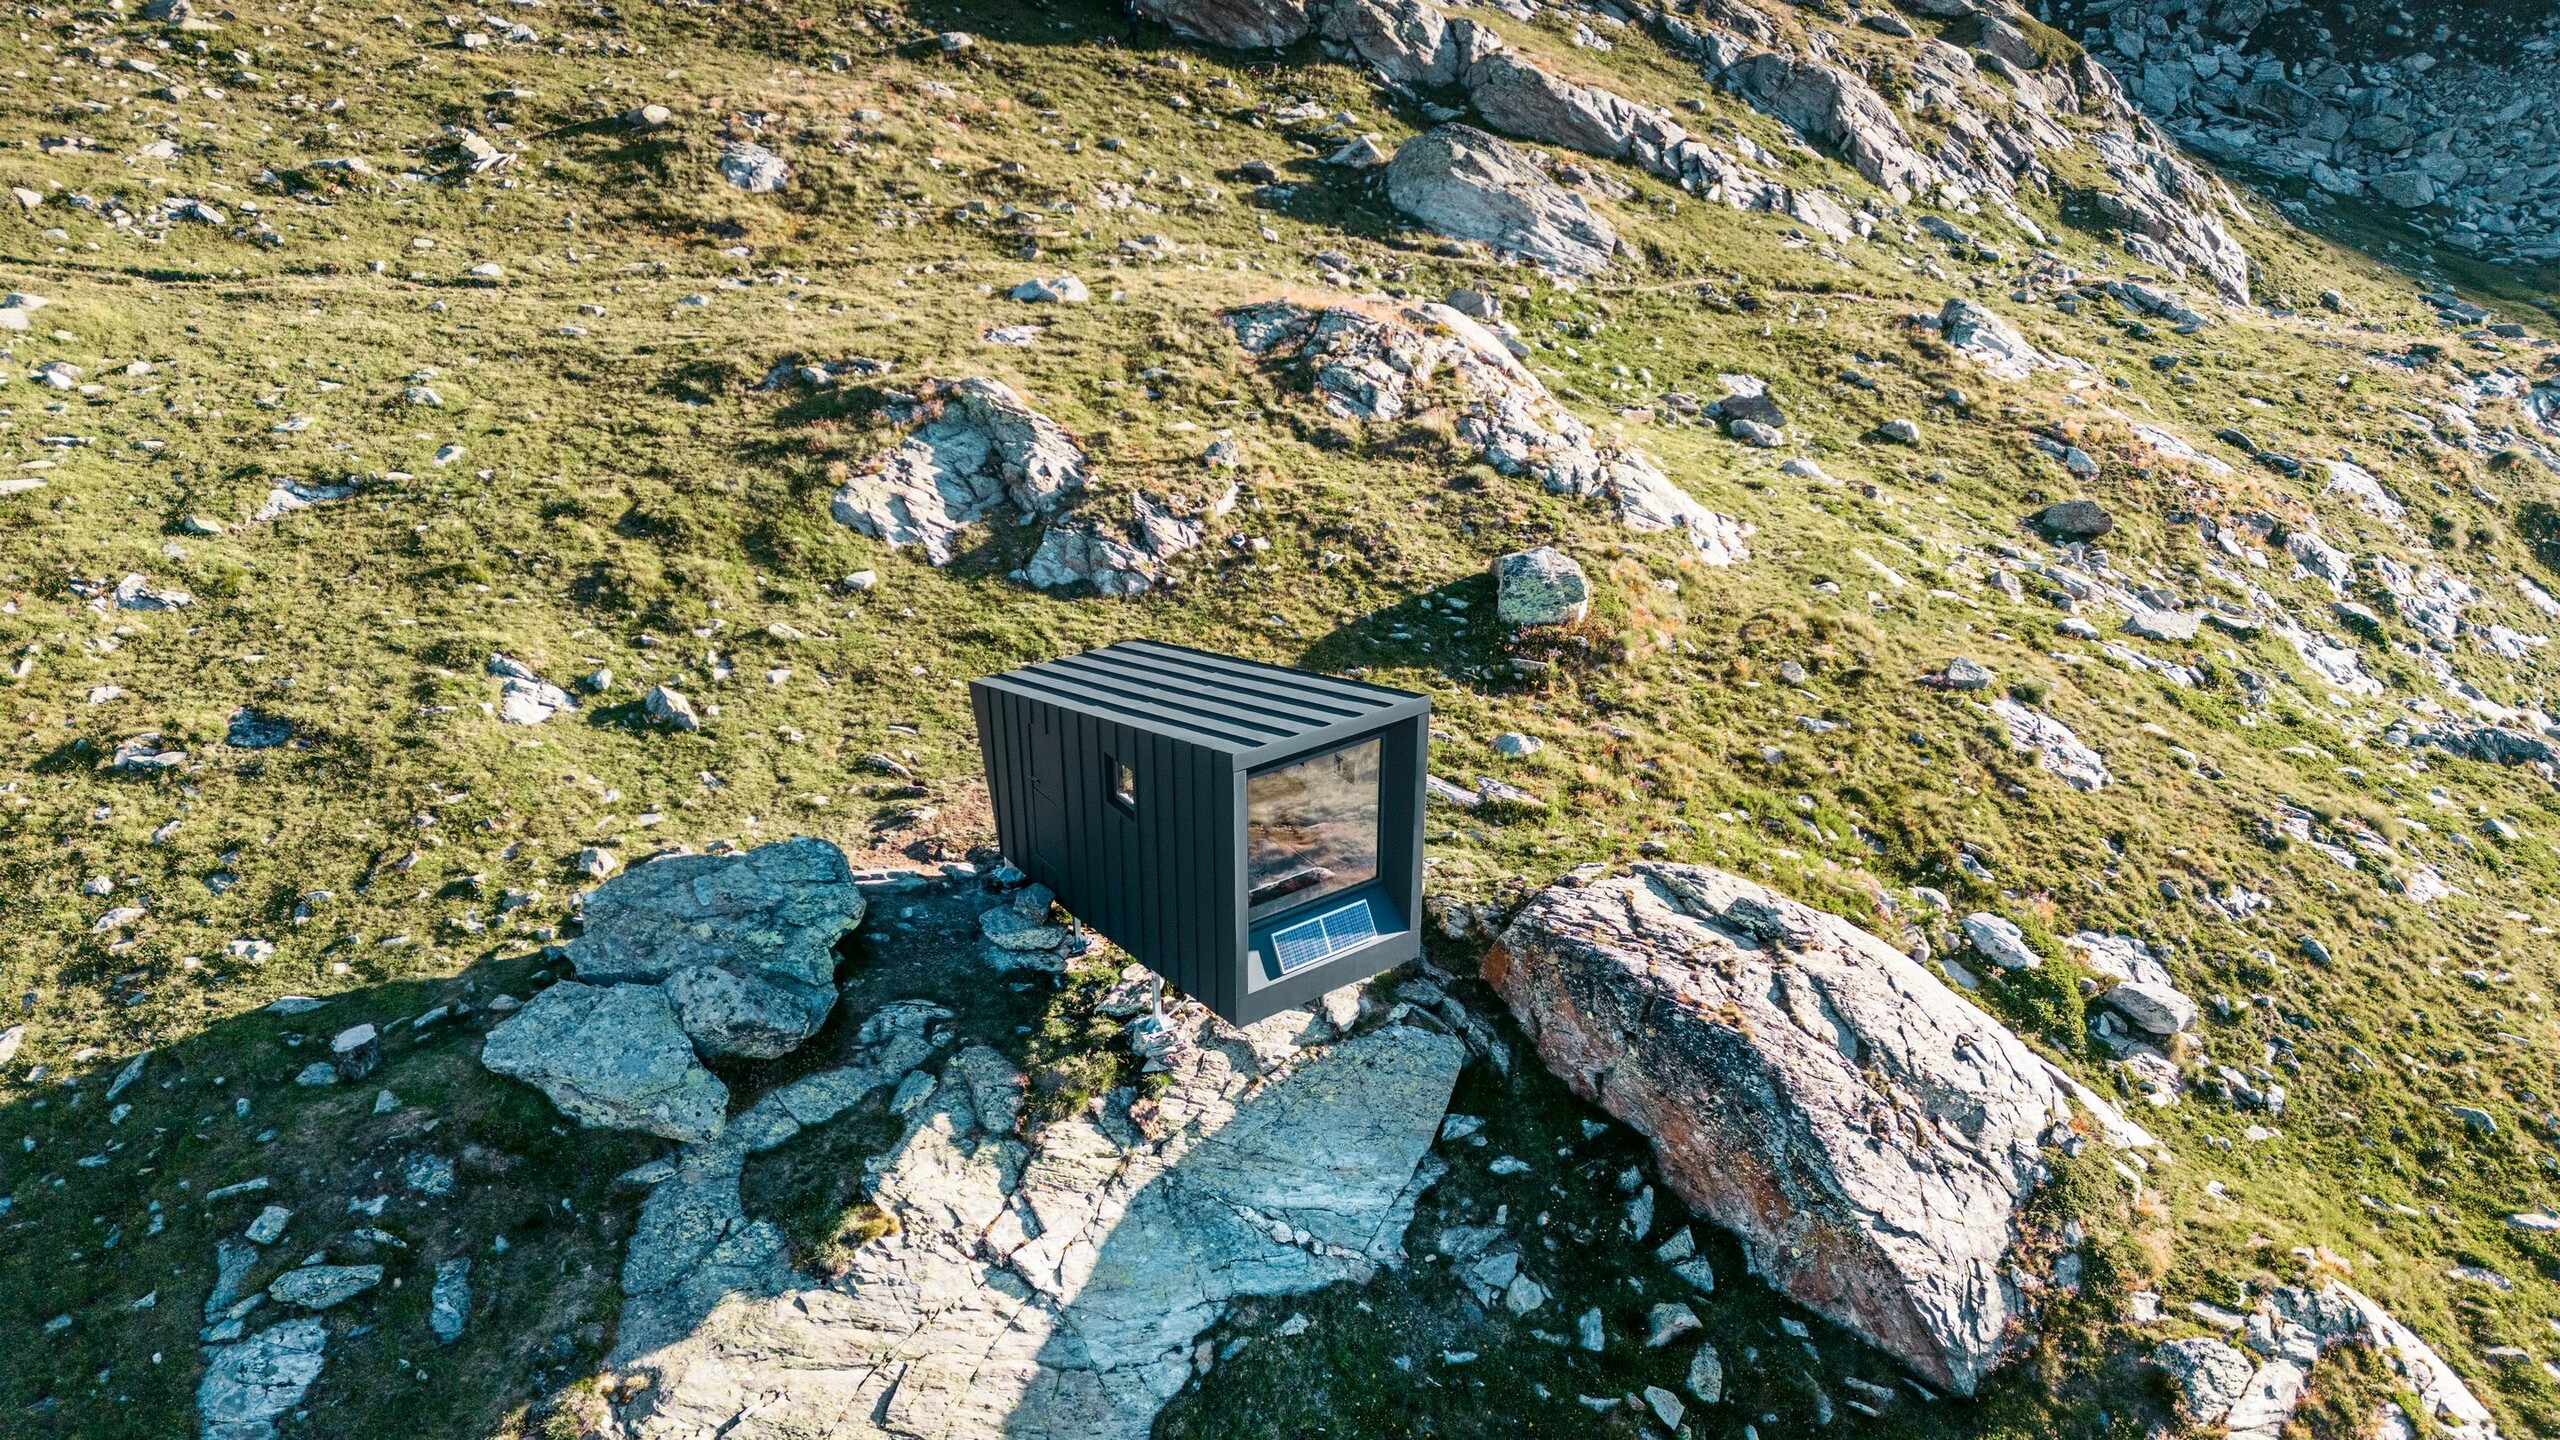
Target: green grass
(629, 501)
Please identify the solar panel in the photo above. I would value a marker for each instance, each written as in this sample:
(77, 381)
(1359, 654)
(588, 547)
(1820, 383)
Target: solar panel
(1316, 940)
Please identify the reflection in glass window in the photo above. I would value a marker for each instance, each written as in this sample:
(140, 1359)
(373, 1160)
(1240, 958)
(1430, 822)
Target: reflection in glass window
(1124, 785)
(1311, 828)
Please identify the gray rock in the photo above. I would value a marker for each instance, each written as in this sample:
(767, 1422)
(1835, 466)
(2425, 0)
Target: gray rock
(2056, 749)
(670, 708)
(970, 446)
(613, 1057)
(1543, 586)
(1964, 674)
(753, 168)
(1469, 185)
(1061, 290)
(317, 1287)
(1999, 941)
(745, 943)
(1755, 434)
(1410, 42)
(1235, 24)
(269, 1226)
(449, 1304)
(1900, 432)
(1833, 106)
(1522, 100)
(2408, 189)
(250, 730)
(1988, 341)
(1667, 1322)
(1706, 1375)
(2210, 1376)
(1754, 1073)
(2156, 1007)
(232, 1262)
(2073, 520)
(2166, 625)
(248, 1385)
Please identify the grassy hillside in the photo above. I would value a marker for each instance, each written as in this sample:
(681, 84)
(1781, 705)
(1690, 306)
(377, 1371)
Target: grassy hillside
(574, 460)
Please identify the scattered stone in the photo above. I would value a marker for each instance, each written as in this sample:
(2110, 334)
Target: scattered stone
(356, 1051)
(317, 1287)
(1062, 290)
(1706, 1376)
(669, 708)
(2057, 749)
(1998, 940)
(753, 168)
(1990, 342)
(1964, 674)
(1900, 432)
(449, 1304)
(2074, 520)
(269, 1226)
(1666, 1323)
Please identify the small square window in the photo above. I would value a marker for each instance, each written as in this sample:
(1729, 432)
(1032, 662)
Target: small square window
(1124, 784)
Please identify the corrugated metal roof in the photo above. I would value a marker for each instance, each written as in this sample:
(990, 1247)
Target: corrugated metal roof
(1205, 698)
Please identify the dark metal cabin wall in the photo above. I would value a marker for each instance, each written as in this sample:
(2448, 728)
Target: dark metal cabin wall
(1152, 880)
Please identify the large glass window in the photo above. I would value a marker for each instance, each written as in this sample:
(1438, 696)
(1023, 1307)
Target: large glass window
(1311, 828)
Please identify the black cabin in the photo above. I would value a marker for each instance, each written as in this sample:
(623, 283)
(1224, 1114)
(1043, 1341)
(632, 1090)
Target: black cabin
(1251, 833)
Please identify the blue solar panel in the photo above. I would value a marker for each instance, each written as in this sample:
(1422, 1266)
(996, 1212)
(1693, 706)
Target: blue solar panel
(1313, 941)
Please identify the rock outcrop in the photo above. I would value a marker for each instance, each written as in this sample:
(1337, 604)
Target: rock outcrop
(1469, 185)
(2453, 127)
(743, 944)
(1235, 24)
(1363, 366)
(971, 445)
(1030, 1286)
(1868, 1135)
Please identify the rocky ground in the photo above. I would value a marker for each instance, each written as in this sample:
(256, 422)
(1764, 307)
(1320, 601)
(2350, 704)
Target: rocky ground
(2440, 117)
(1985, 580)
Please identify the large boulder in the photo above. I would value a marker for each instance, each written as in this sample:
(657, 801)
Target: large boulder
(1542, 586)
(1469, 185)
(1834, 106)
(611, 1056)
(1868, 1135)
(744, 943)
(1519, 99)
(1235, 24)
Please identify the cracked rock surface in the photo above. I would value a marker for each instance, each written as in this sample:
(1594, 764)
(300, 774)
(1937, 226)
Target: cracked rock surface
(1032, 1286)
(1867, 1135)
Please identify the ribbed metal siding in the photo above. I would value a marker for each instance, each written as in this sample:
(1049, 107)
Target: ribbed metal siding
(1212, 700)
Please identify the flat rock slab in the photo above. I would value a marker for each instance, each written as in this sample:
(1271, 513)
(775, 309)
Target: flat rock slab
(611, 1056)
(1037, 1288)
(1867, 1135)
(247, 1385)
